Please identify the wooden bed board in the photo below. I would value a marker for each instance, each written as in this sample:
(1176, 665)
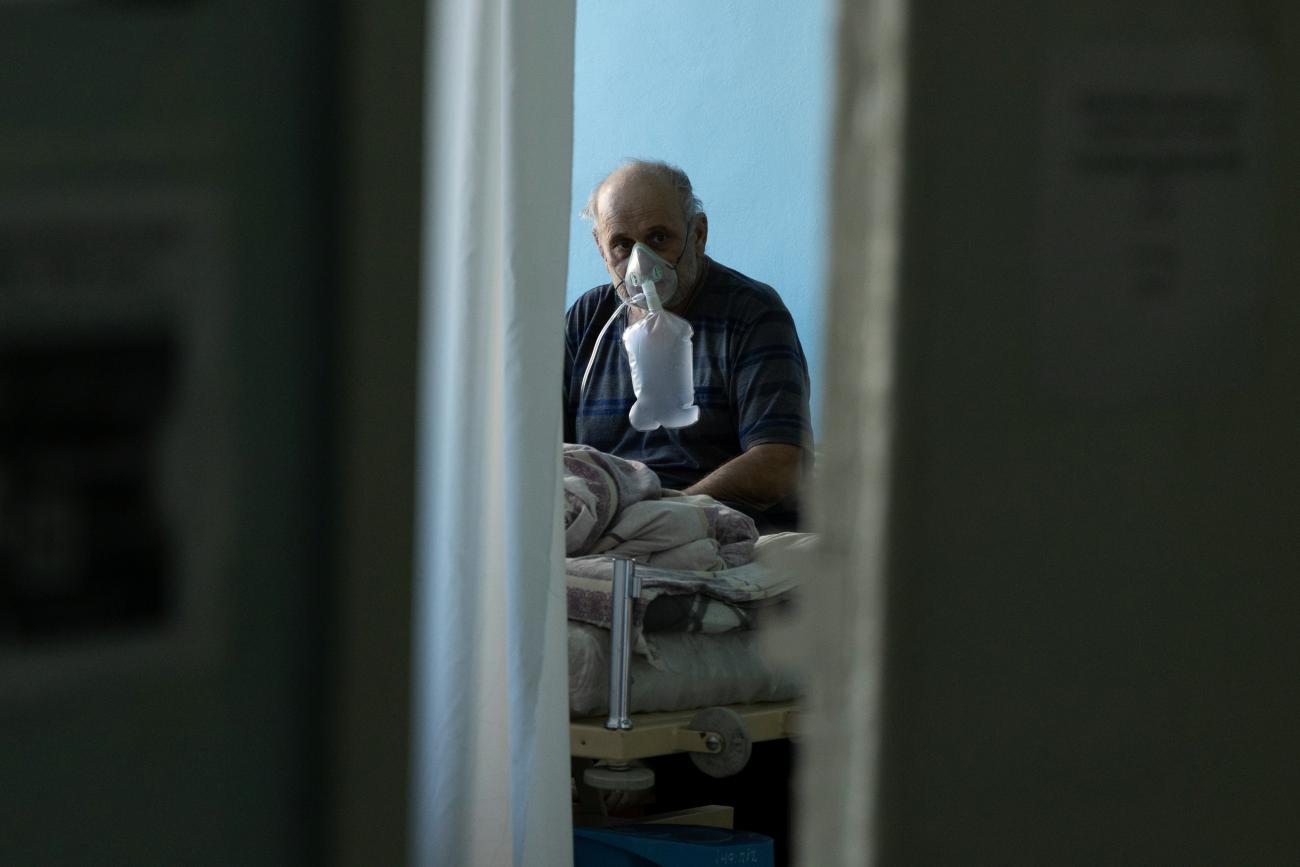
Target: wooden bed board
(661, 734)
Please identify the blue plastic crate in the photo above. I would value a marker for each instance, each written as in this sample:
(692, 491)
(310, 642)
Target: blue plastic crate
(669, 846)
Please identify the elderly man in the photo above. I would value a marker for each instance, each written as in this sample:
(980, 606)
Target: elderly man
(751, 378)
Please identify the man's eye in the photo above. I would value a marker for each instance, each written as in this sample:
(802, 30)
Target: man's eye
(658, 239)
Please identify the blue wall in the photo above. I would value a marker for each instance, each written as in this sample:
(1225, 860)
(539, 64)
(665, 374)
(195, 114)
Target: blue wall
(738, 95)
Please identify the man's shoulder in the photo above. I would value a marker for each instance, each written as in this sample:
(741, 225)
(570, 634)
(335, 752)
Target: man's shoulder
(744, 291)
(739, 297)
(589, 303)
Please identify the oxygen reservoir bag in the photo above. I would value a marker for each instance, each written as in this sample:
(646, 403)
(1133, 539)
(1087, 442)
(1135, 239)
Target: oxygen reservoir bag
(658, 348)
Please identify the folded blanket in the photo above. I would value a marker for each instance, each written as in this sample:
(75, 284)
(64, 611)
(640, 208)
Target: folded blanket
(596, 487)
(615, 507)
(704, 559)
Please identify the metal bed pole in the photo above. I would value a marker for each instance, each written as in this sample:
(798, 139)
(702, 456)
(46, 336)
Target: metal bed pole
(627, 586)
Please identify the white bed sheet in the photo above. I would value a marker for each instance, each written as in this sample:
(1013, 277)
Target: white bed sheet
(692, 670)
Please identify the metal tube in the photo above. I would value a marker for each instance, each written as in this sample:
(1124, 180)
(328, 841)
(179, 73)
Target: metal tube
(626, 587)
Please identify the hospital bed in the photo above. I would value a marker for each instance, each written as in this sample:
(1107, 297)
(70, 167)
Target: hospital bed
(756, 700)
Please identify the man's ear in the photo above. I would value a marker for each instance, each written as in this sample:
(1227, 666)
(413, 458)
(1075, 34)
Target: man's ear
(595, 236)
(700, 233)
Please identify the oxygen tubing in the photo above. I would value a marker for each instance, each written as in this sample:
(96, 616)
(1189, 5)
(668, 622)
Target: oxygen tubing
(582, 389)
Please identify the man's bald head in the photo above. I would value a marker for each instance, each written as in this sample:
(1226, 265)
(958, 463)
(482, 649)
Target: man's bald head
(651, 172)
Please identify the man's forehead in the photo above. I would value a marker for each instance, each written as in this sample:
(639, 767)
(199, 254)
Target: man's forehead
(637, 199)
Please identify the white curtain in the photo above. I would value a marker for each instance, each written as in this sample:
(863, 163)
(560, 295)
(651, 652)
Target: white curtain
(835, 801)
(491, 770)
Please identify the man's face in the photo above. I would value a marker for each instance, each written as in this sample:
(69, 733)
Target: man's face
(638, 207)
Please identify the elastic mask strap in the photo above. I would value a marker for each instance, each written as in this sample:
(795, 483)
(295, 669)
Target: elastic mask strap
(684, 246)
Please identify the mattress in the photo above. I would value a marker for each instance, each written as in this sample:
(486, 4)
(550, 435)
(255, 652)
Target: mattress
(691, 669)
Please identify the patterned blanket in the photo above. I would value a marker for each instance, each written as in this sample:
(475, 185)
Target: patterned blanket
(690, 550)
(614, 507)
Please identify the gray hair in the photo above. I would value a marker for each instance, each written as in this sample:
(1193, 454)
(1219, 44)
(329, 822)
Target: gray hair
(666, 172)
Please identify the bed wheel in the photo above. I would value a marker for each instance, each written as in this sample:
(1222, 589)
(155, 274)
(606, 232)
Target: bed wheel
(629, 778)
(733, 747)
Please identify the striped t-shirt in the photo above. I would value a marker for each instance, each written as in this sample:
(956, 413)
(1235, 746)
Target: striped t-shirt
(751, 379)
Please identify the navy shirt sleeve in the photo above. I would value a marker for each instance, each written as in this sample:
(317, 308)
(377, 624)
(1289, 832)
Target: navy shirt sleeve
(769, 381)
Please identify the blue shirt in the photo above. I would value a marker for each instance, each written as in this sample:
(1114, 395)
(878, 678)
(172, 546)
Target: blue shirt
(751, 379)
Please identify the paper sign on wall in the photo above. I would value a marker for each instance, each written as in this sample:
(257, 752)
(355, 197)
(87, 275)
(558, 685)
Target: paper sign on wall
(1154, 218)
(114, 442)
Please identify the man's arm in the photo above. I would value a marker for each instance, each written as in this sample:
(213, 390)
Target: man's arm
(761, 477)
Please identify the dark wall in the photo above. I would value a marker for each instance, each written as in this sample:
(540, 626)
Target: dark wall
(1092, 649)
(193, 733)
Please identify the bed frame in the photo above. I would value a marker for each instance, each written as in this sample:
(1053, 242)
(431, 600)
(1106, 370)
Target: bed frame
(718, 738)
(660, 734)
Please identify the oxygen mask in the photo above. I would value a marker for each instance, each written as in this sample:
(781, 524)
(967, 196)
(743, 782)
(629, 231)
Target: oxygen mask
(650, 280)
